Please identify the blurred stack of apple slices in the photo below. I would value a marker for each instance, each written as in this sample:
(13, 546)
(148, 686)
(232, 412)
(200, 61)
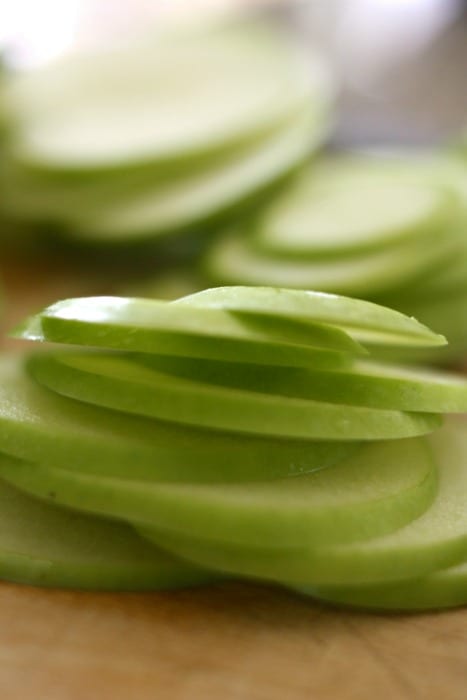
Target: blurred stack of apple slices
(392, 229)
(162, 133)
(245, 431)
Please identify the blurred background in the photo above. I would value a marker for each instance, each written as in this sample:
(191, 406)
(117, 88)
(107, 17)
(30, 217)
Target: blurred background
(401, 63)
(157, 147)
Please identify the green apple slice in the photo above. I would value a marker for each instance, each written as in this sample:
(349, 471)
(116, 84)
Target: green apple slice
(44, 545)
(140, 204)
(435, 540)
(148, 325)
(193, 200)
(363, 320)
(32, 195)
(39, 426)
(379, 489)
(438, 168)
(442, 589)
(160, 99)
(233, 260)
(119, 383)
(338, 214)
(365, 383)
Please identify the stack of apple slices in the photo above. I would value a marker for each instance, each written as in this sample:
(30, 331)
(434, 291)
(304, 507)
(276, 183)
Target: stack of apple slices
(389, 229)
(245, 431)
(162, 133)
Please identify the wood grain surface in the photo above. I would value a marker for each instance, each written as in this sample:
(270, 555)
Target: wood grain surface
(227, 642)
(230, 642)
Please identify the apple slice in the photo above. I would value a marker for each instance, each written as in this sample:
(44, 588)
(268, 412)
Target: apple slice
(39, 426)
(31, 195)
(234, 260)
(43, 545)
(327, 212)
(365, 321)
(446, 588)
(355, 224)
(191, 201)
(147, 325)
(160, 100)
(364, 383)
(143, 204)
(435, 540)
(117, 382)
(378, 490)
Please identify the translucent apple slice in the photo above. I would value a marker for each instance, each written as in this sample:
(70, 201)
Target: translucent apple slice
(365, 383)
(39, 426)
(379, 489)
(438, 168)
(146, 325)
(435, 540)
(192, 200)
(119, 383)
(446, 588)
(337, 213)
(363, 320)
(44, 545)
(161, 99)
(142, 204)
(233, 260)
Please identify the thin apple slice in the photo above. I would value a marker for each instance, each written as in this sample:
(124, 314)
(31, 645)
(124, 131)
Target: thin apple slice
(31, 195)
(234, 260)
(333, 211)
(95, 110)
(146, 325)
(364, 383)
(382, 487)
(446, 588)
(39, 426)
(119, 383)
(143, 204)
(43, 545)
(353, 224)
(190, 201)
(435, 540)
(363, 320)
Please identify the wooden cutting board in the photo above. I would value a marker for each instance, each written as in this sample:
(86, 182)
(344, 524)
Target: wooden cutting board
(229, 642)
